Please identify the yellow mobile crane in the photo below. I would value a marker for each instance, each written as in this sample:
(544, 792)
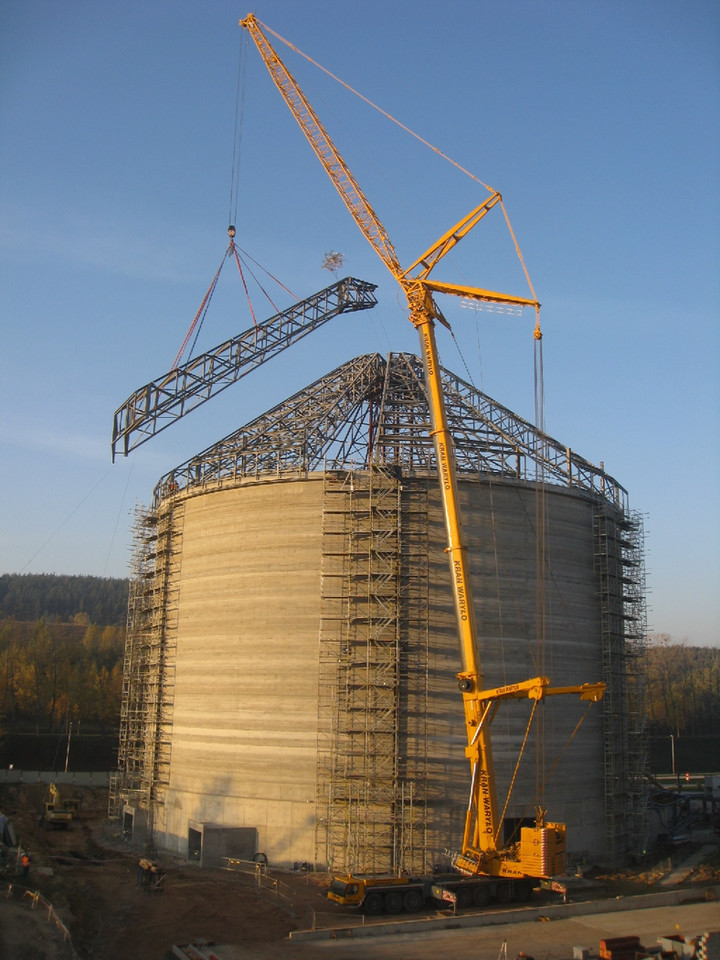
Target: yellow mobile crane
(541, 850)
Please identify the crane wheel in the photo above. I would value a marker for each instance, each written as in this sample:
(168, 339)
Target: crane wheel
(394, 902)
(506, 892)
(464, 896)
(413, 901)
(523, 891)
(481, 895)
(373, 904)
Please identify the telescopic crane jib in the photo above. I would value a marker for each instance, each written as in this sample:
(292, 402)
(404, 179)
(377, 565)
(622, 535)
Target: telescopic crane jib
(541, 850)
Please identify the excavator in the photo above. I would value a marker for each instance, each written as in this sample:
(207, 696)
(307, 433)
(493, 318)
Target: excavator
(504, 872)
(56, 813)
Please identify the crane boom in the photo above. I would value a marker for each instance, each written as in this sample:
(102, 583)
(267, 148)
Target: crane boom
(338, 171)
(479, 853)
(158, 404)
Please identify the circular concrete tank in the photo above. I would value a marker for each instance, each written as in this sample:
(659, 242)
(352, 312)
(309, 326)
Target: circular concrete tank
(290, 673)
(265, 642)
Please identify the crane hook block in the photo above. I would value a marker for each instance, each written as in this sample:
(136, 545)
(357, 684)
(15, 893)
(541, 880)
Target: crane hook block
(231, 231)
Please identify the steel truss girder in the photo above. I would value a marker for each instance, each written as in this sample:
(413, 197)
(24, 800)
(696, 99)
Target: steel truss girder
(375, 410)
(158, 404)
(483, 428)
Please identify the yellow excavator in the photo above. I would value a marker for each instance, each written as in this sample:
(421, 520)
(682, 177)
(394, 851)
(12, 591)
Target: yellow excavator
(489, 869)
(55, 813)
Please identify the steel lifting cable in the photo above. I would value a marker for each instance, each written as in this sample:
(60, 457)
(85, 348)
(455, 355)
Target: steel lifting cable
(235, 187)
(559, 757)
(232, 249)
(516, 770)
(246, 256)
(376, 107)
(238, 129)
(235, 167)
(567, 744)
(200, 315)
(541, 558)
(540, 508)
(420, 139)
(493, 527)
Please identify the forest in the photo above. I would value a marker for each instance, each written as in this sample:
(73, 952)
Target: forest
(52, 674)
(62, 640)
(43, 596)
(683, 687)
(61, 659)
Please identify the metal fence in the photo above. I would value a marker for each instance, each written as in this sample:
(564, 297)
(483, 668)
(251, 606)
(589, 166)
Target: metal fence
(268, 886)
(89, 778)
(35, 901)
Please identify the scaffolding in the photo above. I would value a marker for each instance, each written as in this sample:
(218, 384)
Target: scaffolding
(373, 674)
(149, 663)
(620, 568)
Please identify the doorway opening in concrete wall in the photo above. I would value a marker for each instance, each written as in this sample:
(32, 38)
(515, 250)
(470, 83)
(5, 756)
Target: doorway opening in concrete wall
(194, 844)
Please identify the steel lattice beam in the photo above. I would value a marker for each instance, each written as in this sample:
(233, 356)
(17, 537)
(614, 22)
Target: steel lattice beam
(158, 404)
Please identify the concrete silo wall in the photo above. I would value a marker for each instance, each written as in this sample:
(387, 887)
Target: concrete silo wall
(246, 712)
(245, 698)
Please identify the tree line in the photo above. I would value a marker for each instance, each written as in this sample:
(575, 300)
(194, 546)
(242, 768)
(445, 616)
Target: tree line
(52, 674)
(60, 598)
(683, 685)
(61, 659)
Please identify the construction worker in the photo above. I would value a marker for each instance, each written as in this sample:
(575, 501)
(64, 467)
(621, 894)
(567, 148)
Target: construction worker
(25, 865)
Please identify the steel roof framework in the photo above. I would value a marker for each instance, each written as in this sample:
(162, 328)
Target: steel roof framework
(374, 410)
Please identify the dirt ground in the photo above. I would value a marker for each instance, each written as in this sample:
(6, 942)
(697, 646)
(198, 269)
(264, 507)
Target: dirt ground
(89, 876)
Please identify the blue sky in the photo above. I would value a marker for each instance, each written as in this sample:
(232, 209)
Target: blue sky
(597, 121)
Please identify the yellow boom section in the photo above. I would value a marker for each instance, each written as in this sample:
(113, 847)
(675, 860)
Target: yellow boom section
(327, 153)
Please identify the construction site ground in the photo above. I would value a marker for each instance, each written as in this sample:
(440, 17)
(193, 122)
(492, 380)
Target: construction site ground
(81, 899)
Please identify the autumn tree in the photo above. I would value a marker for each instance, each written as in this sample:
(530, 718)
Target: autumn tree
(683, 687)
(52, 674)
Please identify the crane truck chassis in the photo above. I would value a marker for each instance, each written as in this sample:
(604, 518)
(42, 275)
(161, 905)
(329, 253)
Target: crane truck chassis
(409, 895)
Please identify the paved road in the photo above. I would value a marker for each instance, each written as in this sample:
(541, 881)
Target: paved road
(553, 940)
